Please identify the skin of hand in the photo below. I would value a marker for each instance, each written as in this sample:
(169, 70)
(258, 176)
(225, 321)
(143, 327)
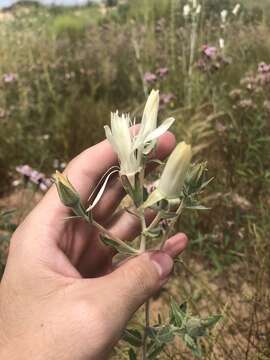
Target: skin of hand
(60, 296)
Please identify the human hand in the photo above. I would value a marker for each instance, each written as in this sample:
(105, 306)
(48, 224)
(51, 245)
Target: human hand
(60, 297)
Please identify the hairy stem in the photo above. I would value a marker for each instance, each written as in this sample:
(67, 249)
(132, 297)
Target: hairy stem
(170, 229)
(146, 327)
(143, 237)
(155, 222)
(113, 237)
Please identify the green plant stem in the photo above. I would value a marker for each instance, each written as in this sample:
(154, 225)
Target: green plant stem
(168, 233)
(113, 237)
(143, 237)
(155, 222)
(146, 327)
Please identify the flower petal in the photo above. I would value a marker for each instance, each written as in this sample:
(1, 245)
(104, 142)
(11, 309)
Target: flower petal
(160, 130)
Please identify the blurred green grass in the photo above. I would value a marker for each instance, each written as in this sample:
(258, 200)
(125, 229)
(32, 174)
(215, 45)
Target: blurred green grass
(68, 68)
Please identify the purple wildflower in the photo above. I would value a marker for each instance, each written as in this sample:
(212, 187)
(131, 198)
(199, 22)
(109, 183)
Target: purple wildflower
(9, 78)
(34, 176)
(24, 170)
(2, 113)
(210, 51)
(162, 72)
(263, 68)
(150, 77)
(166, 98)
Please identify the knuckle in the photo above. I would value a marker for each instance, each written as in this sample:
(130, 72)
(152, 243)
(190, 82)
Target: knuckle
(140, 277)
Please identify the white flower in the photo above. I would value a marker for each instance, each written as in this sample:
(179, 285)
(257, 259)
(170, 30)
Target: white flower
(199, 9)
(186, 10)
(129, 147)
(224, 14)
(150, 113)
(173, 176)
(146, 138)
(121, 140)
(221, 43)
(236, 9)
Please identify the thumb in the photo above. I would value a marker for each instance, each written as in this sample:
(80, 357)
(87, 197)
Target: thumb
(138, 279)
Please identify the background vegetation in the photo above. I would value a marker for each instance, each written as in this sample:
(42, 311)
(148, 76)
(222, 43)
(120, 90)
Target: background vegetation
(63, 70)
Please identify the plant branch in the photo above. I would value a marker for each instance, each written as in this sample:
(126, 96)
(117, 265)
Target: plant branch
(147, 324)
(113, 237)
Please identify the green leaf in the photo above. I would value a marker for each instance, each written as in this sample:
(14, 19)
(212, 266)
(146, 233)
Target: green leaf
(132, 355)
(195, 327)
(206, 183)
(7, 213)
(155, 351)
(193, 346)
(211, 321)
(189, 341)
(178, 313)
(133, 337)
(119, 248)
(154, 233)
(176, 316)
(162, 334)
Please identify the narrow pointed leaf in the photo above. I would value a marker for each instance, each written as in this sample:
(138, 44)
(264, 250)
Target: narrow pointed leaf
(133, 337)
(132, 355)
(127, 250)
(211, 320)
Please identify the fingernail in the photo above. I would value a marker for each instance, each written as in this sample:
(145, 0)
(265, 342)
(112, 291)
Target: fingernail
(163, 264)
(175, 245)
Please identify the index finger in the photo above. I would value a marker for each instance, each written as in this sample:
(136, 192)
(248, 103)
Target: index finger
(84, 171)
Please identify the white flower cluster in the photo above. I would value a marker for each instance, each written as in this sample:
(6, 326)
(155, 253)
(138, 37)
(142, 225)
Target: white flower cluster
(192, 8)
(131, 147)
(224, 18)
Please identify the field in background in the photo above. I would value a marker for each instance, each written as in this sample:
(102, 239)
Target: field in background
(63, 70)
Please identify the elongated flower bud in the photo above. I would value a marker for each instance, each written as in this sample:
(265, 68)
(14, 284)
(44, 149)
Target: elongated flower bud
(68, 195)
(172, 179)
(174, 173)
(236, 9)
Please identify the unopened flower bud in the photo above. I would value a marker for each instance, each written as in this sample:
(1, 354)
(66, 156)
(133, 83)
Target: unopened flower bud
(199, 9)
(173, 176)
(236, 9)
(68, 195)
(221, 43)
